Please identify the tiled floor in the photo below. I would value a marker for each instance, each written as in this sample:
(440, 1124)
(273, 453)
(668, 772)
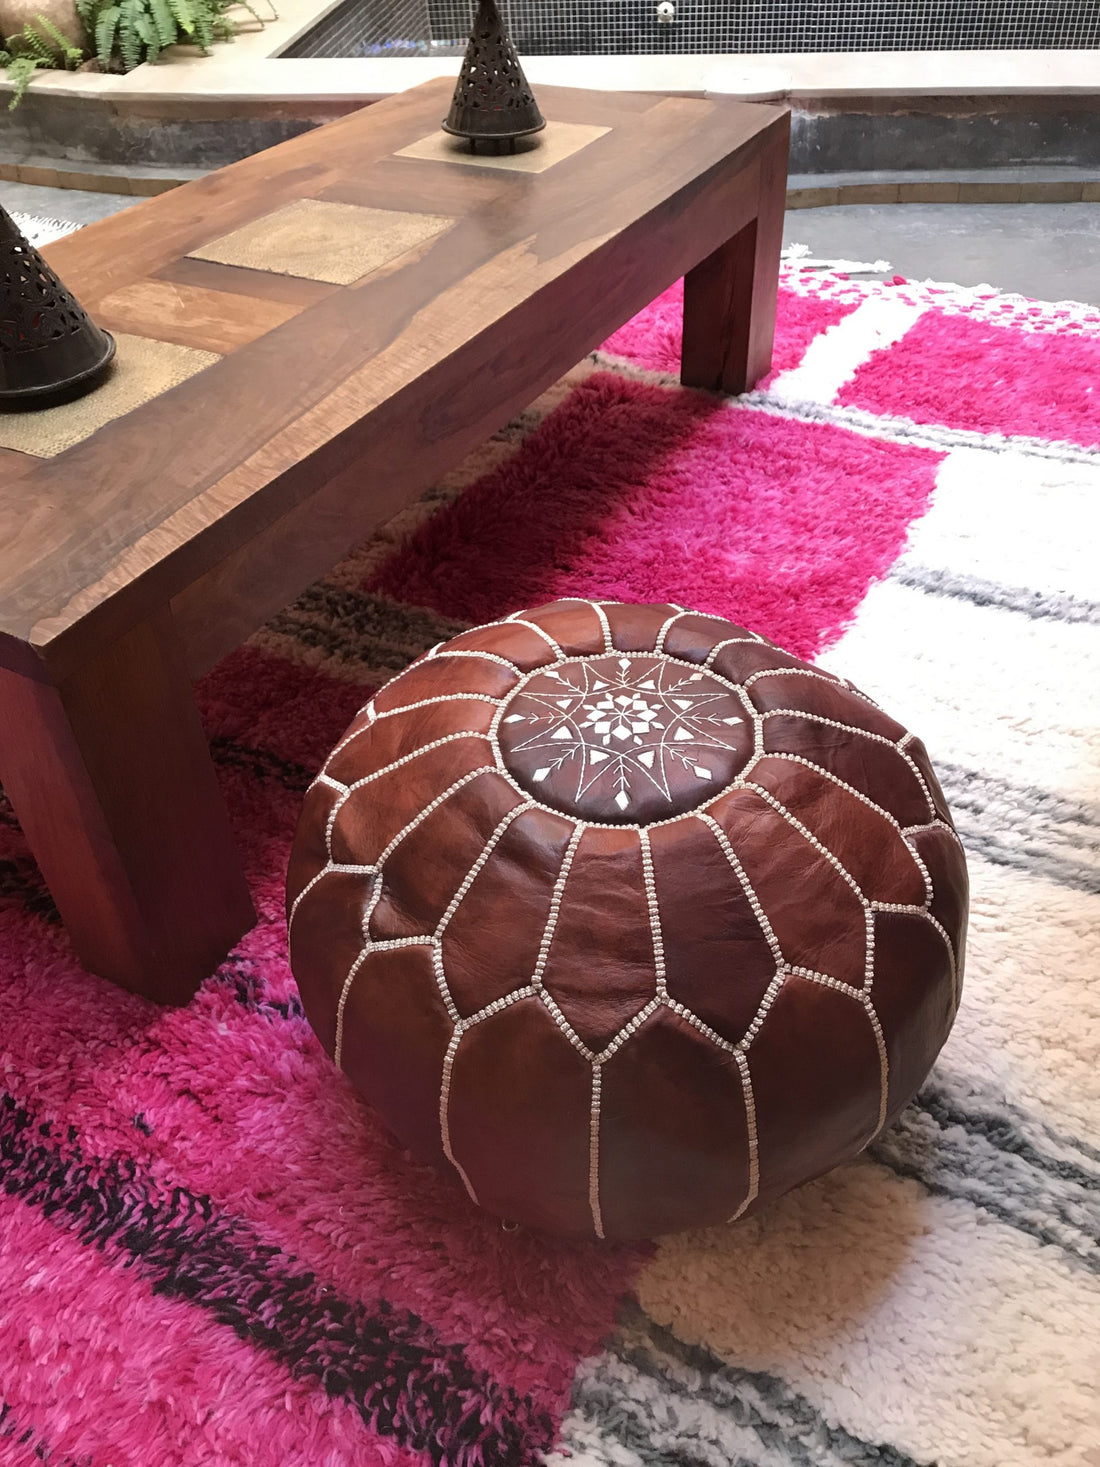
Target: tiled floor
(1047, 251)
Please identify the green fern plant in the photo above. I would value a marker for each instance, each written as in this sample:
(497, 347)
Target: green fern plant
(122, 35)
(20, 70)
(128, 32)
(38, 46)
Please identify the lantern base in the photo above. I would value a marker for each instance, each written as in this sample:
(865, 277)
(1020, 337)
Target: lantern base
(52, 394)
(494, 142)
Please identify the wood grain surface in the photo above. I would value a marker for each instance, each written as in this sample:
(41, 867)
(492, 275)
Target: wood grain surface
(192, 315)
(96, 538)
(110, 775)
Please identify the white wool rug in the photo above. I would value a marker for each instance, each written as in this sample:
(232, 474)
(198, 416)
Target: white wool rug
(39, 230)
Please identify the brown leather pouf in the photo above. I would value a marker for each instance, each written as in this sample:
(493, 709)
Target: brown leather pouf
(628, 917)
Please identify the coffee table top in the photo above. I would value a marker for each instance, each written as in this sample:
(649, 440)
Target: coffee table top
(350, 276)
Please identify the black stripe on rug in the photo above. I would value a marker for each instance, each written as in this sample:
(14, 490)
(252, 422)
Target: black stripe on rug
(404, 1381)
(1039, 605)
(1002, 1128)
(1012, 849)
(261, 764)
(247, 987)
(989, 1164)
(22, 882)
(670, 1403)
(12, 1430)
(356, 627)
(1024, 827)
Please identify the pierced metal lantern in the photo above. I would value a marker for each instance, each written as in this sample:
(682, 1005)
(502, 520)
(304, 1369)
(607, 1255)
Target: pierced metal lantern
(492, 102)
(50, 348)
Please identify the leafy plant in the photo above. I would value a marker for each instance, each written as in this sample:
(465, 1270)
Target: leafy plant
(122, 34)
(38, 45)
(20, 69)
(128, 32)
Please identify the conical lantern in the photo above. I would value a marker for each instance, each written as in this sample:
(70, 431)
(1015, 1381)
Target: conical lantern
(492, 101)
(50, 348)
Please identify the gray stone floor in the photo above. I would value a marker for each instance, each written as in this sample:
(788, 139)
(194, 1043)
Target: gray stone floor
(62, 203)
(1050, 252)
(1047, 251)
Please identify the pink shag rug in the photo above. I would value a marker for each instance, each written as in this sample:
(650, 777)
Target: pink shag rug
(212, 1253)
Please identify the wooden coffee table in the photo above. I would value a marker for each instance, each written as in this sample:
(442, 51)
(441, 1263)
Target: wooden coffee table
(135, 559)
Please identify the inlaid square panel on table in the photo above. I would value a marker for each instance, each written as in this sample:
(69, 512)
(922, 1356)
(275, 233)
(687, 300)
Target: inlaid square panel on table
(131, 561)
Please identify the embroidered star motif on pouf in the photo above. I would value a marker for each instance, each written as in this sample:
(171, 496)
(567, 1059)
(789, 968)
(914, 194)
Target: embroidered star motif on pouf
(614, 735)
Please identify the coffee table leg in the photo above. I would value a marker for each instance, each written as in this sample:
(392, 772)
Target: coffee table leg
(110, 775)
(729, 298)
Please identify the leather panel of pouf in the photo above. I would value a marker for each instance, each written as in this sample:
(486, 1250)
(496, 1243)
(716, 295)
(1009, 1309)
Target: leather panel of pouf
(627, 917)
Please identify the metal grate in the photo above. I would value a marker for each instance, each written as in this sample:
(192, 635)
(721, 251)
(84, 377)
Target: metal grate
(607, 27)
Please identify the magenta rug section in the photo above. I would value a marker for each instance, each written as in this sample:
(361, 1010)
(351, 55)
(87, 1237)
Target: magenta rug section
(211, 1252)
(631, 493)
(168, 1383)
(653, 338)
(1030, 381)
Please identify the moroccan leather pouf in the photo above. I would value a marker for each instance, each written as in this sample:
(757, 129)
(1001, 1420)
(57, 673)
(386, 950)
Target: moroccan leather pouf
(629, 917)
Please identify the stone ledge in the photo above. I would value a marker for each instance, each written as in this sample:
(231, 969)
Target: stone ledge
(251, 71)
(974, 186)
(804, 191)
(194, 113)
(103, 179)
